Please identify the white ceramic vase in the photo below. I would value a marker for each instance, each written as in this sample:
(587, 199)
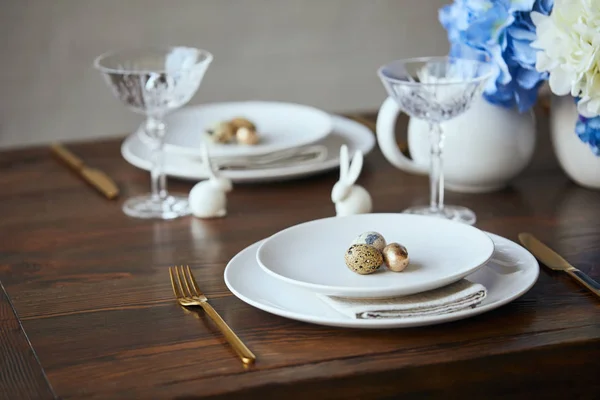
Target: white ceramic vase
(574, 156)
(485, 148)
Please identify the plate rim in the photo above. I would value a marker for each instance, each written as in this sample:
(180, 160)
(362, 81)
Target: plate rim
(295, 172)
(191, 152)
(362, 292)
(347, 322)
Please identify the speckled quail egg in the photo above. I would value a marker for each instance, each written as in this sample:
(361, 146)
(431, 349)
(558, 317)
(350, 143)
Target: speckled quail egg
(222, 132)
(395, 257)
(363, 259)
(240, 122)
(371, 238)
(246, 136)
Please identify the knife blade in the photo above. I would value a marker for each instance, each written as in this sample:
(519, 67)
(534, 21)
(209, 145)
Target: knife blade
(98, 179)
(554, 261)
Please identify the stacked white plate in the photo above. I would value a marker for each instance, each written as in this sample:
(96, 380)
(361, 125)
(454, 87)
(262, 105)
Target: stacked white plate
(288, 273)
(281, 126)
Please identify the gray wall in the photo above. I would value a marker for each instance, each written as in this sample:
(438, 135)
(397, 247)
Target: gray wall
(319, 52)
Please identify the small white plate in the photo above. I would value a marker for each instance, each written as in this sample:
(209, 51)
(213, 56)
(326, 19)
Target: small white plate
(279, 125)
(345, 131)
(311, 254)
(511, 272)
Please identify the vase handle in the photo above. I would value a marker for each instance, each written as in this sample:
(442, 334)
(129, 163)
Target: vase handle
(386, 138)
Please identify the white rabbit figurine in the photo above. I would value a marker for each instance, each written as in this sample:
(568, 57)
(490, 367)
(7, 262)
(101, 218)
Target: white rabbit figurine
(350, 198)
(208, 198)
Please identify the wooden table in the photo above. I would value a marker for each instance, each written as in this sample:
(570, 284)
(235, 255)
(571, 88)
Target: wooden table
(91, 313)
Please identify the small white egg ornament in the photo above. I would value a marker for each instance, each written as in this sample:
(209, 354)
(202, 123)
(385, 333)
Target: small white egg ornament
(208, 199)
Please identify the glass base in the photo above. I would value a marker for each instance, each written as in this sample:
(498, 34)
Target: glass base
(174, 206)
(454, 213)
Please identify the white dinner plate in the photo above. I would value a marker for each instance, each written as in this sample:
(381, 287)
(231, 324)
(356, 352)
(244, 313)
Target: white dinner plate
(345, 131)
(511, 272)
(279, 125)
(311, 254)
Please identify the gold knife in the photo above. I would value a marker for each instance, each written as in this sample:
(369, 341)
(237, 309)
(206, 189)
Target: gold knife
(98, 179)
(552, 260)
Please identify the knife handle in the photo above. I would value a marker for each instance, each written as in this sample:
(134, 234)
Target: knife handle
(69, 158)
(585, 280)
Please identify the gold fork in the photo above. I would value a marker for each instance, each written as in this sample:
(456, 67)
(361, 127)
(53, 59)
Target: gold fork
(188, 294)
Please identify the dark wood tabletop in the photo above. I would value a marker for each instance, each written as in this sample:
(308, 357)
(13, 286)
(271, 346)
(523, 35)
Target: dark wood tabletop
(87, 311)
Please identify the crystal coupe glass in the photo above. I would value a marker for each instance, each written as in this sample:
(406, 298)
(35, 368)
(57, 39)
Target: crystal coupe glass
(436, 89)
(154, 82)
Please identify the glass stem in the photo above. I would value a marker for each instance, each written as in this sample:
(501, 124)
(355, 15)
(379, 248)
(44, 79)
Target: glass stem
(155, 129)
(436, 173)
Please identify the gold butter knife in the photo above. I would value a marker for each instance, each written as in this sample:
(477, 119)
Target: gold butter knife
(554, 261)
(98, 179)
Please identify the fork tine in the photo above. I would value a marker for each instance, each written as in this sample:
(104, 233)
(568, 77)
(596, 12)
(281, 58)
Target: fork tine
(181, 272)
(181, 287)
(193, 281)
(173, 285)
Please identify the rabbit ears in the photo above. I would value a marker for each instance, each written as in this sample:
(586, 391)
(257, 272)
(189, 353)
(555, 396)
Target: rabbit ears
(349, 173)
(206, 162)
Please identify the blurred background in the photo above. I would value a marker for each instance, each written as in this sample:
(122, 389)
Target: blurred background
(321, 53)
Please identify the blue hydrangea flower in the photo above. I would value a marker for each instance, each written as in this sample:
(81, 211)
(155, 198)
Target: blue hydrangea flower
(588, 130)
(502, 30)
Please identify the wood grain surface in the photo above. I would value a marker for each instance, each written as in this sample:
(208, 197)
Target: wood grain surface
(21, 375)
(91, 287)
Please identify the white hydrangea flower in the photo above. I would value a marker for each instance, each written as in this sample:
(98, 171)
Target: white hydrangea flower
(569, 40)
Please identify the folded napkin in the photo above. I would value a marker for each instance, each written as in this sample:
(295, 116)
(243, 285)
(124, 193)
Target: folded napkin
(445, 300)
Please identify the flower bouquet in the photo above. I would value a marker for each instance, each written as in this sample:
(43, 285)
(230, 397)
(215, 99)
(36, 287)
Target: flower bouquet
(494, 141)
(569, 44)
(503, 30)
(568, 50)
(530, 42)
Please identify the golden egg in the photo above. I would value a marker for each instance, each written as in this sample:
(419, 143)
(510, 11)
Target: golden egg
(363, 259)
(246, 136)
(395, 257)
(240, 122)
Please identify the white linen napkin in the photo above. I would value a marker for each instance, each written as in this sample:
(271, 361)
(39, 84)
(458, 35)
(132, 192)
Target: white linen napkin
(445, 300)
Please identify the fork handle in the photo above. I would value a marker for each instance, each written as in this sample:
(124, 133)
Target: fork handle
(239, 347)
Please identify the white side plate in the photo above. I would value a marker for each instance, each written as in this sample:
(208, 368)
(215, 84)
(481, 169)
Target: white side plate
(280, 126)
(311, 254)
(511, 272)
(345, 131)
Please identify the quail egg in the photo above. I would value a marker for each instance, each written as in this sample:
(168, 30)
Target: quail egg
(371, 238)
(222, 133)
(363, 259)
(395, 257)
